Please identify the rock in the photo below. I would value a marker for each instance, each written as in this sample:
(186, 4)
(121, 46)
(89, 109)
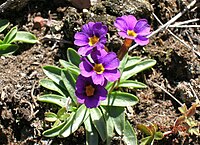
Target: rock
(12, 5)
(139, 8)
(81, 4)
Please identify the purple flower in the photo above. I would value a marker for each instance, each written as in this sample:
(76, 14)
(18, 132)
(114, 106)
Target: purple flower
(88, 93)
(132, 29)
(103, 68)
(92, 35)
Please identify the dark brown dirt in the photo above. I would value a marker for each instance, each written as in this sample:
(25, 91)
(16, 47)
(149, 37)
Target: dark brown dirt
(177, 68)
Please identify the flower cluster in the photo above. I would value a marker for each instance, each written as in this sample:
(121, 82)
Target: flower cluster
(98, 66)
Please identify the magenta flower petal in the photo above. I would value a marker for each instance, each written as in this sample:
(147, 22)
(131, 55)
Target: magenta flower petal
(81, 98)
(112, 75)
(98, 79)
(86, 68)
(125, 23)
(101, 91)
(80, 42)
(103, 40)
(81, 36)
(104, 29)
(141, 40)
(99, 29)
(81, 39)
(130, 21)
(97, 54)
(100, 46)
(88, 29)
(82, 50)
(110, 61)
(142, 27)
(120, 24)
(92, 102)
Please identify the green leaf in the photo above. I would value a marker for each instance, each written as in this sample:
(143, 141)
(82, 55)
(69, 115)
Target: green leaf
(61, 111)
(145, 129)
(158, 135)
(132, 84)
(191, 122)
(71, 67)
(56, 123)
(109, 130)
(183, 109)
(54, 73)
(54, 131)
(74, 122)
(99, 122)
(69, 83)
(50, 116)
(129, 137)
(147, 140)
(132, 61)
(131, 71)
(109, 123)
(194, 131)
(120, 99)
(117, 115)
(62, 114)
(26, 37)
(73, 57)
(92, 137)
(3, 24)
(52, 98)
(10, 35)
(8, 48)
(51, 85)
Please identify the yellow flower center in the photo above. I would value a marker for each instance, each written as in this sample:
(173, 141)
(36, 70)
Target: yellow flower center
(93, 40)
(89, 90)
(131, 33)
(98, 68)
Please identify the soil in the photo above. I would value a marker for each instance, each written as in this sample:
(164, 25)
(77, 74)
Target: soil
(177, 69)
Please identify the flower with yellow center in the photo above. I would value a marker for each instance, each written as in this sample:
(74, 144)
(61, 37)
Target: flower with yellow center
(131, 28)
(99, 68)
(93, 35)
(93, 40)
(88, 93)
(89, 90)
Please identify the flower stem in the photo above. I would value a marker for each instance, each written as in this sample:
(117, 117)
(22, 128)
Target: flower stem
(114, 85)
(112, 88)
(124, 48)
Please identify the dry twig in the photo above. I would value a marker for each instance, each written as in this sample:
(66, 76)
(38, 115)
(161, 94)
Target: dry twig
(184, 22)
(182, 41)
(155, 84)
